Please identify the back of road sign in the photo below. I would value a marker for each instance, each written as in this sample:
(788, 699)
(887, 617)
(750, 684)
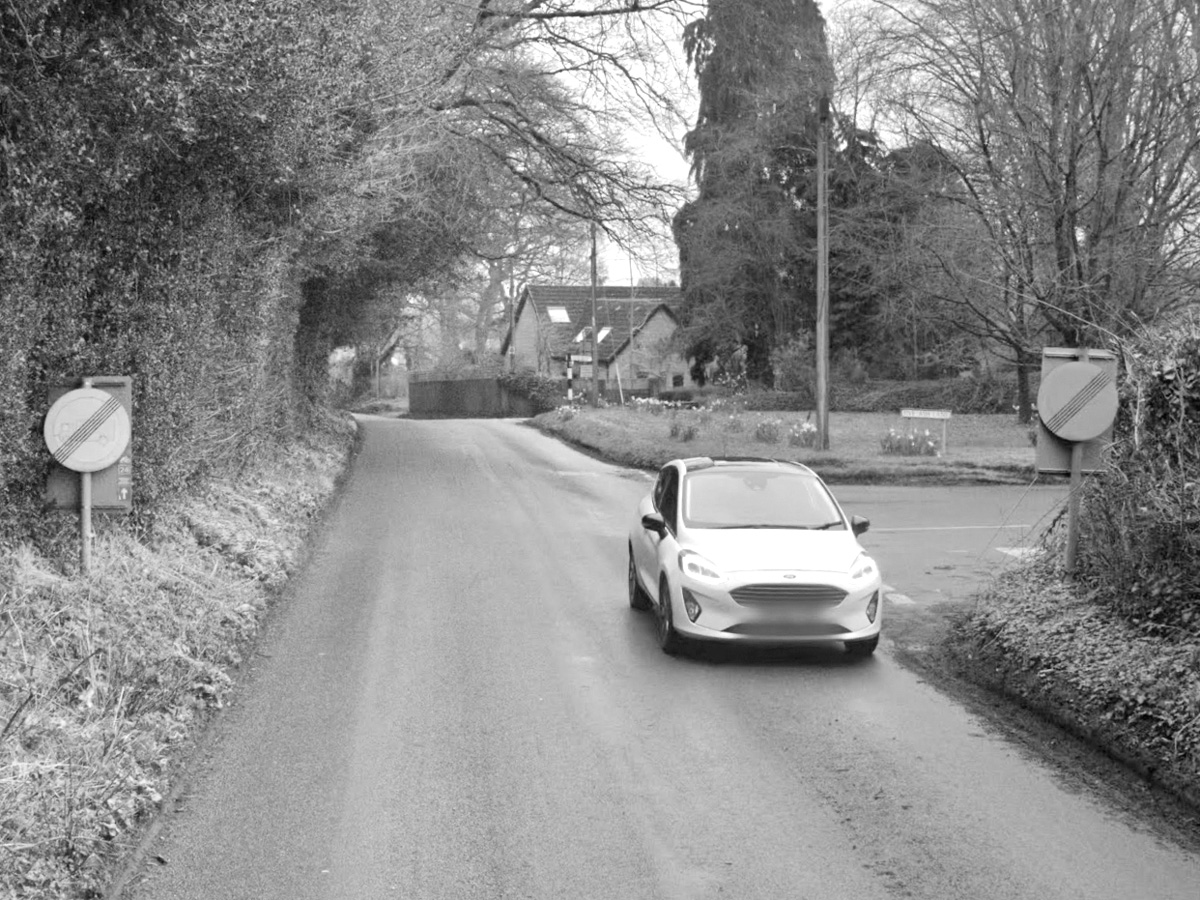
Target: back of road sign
(1076, 403)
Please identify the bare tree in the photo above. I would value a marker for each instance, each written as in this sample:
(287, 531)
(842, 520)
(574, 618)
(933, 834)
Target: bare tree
(502, 123)
(1069, 129)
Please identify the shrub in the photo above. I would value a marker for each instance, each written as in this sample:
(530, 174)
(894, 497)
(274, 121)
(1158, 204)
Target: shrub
(566, 413)
(781, 401)
(793, 364)
(803, 434)
(734, 424)
(697, 396)
(768, 431)
(962, 395)
(910, 443)
(683, 431)
(848, 368)
(1139, 548)
(546, 393)
(677, 395)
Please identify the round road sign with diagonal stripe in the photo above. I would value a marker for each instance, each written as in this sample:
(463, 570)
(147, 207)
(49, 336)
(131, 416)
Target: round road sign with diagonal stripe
(1078, 401)
(87, 430)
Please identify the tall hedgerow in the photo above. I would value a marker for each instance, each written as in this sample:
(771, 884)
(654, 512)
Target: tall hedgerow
(1140, 534)
(156, 163)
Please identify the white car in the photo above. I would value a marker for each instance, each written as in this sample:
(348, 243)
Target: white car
(751, 550)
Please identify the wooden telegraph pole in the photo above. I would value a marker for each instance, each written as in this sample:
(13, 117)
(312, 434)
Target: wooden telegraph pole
(822, 278)
(594, 391)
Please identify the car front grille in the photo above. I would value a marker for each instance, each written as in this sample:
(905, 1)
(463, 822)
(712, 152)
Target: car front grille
(819, 594)
(786, 629)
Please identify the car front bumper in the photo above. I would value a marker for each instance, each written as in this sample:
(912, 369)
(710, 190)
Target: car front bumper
(784, 621)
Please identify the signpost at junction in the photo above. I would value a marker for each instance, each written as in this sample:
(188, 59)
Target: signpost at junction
(1077, 403)
(87, 430)
(942, 414)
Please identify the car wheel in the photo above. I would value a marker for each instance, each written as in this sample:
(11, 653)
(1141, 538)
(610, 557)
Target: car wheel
(862, 648)
(638, 598)
(668, 638)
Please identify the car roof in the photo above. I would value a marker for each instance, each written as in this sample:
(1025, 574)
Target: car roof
(699, 463)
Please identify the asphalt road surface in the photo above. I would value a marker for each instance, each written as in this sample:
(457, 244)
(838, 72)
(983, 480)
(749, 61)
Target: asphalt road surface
(458, 703)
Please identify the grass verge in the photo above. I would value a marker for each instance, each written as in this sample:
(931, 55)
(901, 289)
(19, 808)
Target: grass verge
(1036, 638)
(105, 681)
(982, 449)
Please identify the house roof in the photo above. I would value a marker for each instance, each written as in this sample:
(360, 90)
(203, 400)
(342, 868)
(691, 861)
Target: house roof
(566, 311)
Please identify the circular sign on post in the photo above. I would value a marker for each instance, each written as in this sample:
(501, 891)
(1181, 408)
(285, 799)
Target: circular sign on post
(87, 430)
(1077, 401)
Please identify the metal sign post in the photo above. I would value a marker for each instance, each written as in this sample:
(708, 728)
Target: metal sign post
(85, 522)
(86, 430)
(1077, 403)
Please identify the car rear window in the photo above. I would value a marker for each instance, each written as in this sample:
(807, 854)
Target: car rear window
(724, 498)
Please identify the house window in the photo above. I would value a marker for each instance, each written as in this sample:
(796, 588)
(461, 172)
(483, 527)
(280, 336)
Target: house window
(603, 334)
(676, 381)
(583, 335)
(558, 314)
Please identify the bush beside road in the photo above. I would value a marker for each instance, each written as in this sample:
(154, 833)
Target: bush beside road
(1037, 638)
(106, 682)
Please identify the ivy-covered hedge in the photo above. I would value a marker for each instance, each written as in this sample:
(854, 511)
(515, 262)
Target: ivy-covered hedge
(961, 395)
(1140, 531)
(157, 159)
(544, 392)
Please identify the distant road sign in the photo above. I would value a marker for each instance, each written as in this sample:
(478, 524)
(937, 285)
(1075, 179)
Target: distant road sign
(925, 413)
(87, 430)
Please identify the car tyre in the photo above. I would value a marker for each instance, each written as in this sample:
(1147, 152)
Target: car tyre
(638, 598)
(862, 649)
(668, 638)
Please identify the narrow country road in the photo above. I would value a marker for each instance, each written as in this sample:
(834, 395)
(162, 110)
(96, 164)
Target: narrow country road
(458, 703)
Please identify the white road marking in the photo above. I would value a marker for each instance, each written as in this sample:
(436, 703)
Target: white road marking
(1020, 552)
(893, 596)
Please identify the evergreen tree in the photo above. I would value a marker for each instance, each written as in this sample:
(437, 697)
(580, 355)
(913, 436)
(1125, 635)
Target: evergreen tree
(747, 241)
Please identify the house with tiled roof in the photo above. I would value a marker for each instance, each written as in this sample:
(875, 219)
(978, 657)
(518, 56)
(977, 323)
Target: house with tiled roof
(635, 327)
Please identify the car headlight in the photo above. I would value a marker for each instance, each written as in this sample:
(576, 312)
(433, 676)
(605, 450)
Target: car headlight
(693, 565)
(863, 567)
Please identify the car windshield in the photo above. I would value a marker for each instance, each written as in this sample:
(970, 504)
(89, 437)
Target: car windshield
(733, 498)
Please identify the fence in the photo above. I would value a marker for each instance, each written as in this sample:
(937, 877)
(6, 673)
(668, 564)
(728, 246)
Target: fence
(468, 398)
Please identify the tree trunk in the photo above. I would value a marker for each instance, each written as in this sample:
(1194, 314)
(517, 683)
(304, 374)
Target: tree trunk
(1024, 400)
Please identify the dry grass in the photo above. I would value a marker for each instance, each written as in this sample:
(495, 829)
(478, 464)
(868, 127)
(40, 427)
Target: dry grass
(104, 680)
(982, 447)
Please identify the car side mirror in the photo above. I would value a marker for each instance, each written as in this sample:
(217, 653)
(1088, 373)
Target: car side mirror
(859, 525)
(654, 522)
